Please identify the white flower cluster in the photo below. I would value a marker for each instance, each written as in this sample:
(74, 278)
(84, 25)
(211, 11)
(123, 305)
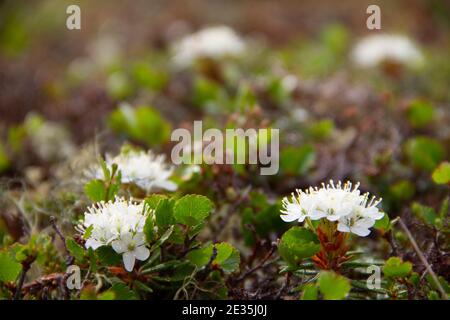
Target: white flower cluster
(213, 42)
(353, 211)
(144, 169)
(375, 49)
(119, 224)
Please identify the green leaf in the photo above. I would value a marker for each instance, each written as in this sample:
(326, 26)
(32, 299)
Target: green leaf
(420, 113)
(108, 256)
(402, 190)
(162, 239)
(122, 292)
(228, 257)
(396, 268)
(95, 190)
(164, 213)
(321, 129)
(297, 161)
(119, 86)
(297, 244)
(149, 229)
(192, 209)
(75, 249)
(310, 292)
(153, 200)
(9, 268)
(424, 213)
(383, 224)
(143, 124)
(333, 286)
(200, 257)
(424, 153)
(441, 175)
(107, 295)
(443, 211)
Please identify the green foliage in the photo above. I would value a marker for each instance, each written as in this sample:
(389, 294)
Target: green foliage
(4, 160)
(402, 190)
(321, 129)
(333, 286)
(143, 124)
(383, 224)
(298, 244)
(424, 213)
(75, 249)
(441, 175)
(122, 292)
(119, 85)
(146, 76)
(310, 292)
(396, 268)
(297, 161)
(9, 268)
(192, 209)
(420, 113)
(263, 215)
(95, 190)
(424, 153)
(226, 257)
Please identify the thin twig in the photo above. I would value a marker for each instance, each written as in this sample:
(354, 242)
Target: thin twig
(26, 265)
(258, 266)
(423, 259)
(69, 259)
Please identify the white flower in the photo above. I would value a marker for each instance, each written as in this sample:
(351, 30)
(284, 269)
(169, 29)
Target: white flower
(131, 247)
(119, 224)
(335, 202)
(213, 42)
(375, 49)
(146, 170)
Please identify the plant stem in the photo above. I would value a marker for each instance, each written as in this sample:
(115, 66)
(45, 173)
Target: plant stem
(423, 259)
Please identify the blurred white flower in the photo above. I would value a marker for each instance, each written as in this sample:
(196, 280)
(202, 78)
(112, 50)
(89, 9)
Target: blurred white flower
(119, 224)
(336, 202)
(213, 42)
(52, 142)
(373, 50)
(144, 169)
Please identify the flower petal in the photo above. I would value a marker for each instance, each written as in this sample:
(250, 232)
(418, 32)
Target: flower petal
(141, 253)
(128, 261)
(119, 246)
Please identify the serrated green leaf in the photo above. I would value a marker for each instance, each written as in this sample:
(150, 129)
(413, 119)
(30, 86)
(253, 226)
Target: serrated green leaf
(333, 286)
(396, 268)
(200, 257)
(122, 292)
(297, 244)
(228, 257)
(164, 213)
(192, 209)
(153, 200)
(95, 190)
(75, 249)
